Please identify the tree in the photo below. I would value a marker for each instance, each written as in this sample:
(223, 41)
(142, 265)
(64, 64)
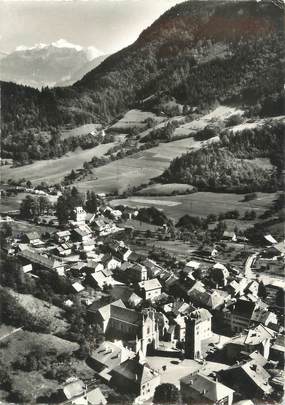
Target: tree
(44, 204)
(166, 394)
(29, 207)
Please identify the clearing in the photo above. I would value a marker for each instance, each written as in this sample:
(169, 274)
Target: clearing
(135, 119)
(54, 170)
(201, 203)
(220, 114)
(82, 130)
(123, 174)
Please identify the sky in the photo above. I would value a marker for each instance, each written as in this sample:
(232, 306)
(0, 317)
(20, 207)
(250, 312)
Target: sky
(108, 25)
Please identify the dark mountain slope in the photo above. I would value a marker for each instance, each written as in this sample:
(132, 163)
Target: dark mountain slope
(198, 52)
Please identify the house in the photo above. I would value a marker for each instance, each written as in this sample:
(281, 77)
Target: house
(229, 236)
(151, 288)
(48, 263)
(111, 213)
(255, 339)
(199, 388)
(100, 279)
(153, 269)
(82, 233)
(95, 266)
(62, 236)
(211, 299)
(243, 314)
(78, 287)
(109, 355)
(110, 262)
(6, 219)
(135, 376)
(33, 239)
(64, 249)
(219, 274)
(27, 268)
(127, 295)
(30, 237)
(77, 393)
(191, 266)
(249, 379)
(78, 215)
(136, 273)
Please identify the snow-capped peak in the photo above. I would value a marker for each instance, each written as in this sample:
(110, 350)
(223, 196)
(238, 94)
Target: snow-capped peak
(62, 43)
(91, 51)
(28, 48)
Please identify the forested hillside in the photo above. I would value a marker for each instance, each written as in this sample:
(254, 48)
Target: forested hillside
(230, 164)
(198, 52)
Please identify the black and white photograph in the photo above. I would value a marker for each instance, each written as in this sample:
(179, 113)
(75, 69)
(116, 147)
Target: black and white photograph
(142, 211)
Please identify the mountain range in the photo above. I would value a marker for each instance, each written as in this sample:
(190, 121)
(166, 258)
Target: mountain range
(198, 52)
(60, 63)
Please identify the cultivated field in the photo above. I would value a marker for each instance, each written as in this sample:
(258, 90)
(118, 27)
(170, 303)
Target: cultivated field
(220, 114)
(135, 119)
(200, 204)
(53, 170)
(139, 168)
(82, 130)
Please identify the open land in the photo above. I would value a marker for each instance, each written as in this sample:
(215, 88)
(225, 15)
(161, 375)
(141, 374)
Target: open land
(200, 203)
(54, 170)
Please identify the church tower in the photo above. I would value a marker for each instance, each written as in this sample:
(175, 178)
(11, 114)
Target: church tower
(193, 347)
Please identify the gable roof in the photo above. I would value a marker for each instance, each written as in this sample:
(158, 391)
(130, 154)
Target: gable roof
(32, 235)
(95, 397)
(212, 390)
(257, 335)
(149, 285)
(35, 257)
(255, 373)
(73, 389)
(105, 310)
(135, 371)
(125, 314)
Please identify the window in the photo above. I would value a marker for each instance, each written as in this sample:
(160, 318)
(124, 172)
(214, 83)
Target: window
(148, 331)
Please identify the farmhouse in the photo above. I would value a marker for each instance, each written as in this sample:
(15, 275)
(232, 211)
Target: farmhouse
(151, 288)
(45, 262)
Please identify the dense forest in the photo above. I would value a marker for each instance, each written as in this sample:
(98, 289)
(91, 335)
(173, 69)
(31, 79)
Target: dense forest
(199, 53)
(229, 165)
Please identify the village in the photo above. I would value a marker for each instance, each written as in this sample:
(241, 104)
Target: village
(199, 326)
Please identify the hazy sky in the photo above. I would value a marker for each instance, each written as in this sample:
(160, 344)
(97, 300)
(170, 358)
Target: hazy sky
(108, 25)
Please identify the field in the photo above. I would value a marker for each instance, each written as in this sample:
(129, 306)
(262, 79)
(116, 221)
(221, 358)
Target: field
(53, 170)
(200, 204)
(82, 130)
(137, 169)
(134, 119)
(219, 114)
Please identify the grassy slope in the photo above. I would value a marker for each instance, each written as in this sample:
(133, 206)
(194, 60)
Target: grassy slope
(54, 170)
(201, 203)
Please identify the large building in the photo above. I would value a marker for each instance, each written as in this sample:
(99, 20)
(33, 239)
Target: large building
(198, 329)
(135, 376)
(198, 388)
(119, 322)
